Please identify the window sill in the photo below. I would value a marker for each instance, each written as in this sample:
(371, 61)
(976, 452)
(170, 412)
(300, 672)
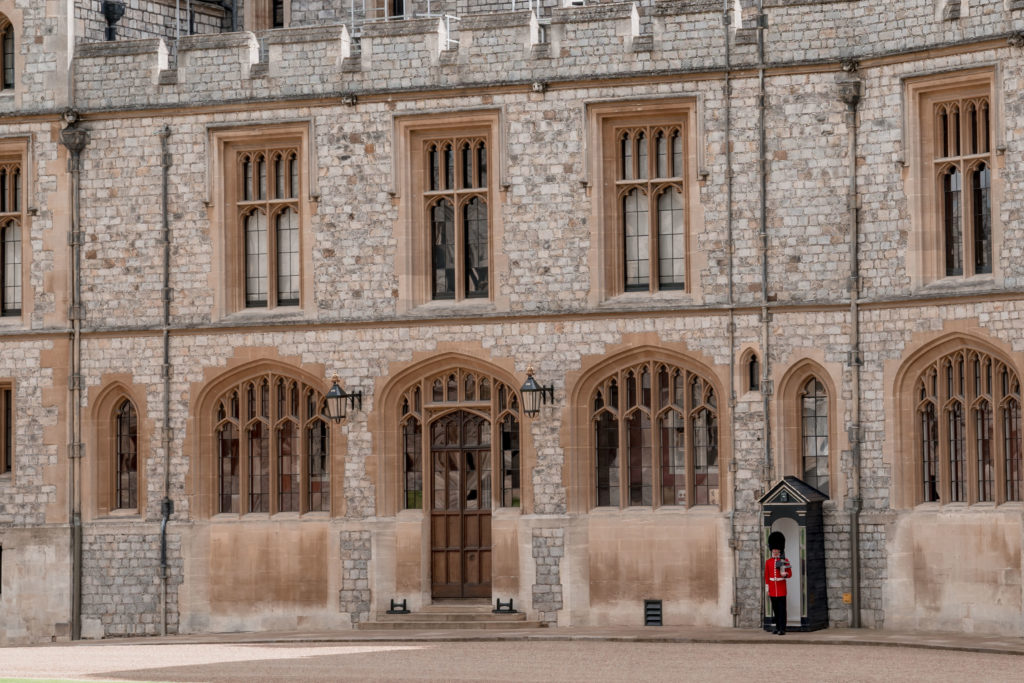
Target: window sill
(506, 512)
(252, 517)
(444, 308)
(279, 314)
(119, 516)
(959, 284)
(667, 299)
(645, 510)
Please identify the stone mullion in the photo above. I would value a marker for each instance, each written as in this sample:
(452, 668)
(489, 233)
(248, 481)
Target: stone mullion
(497, 480)
(622, 431)
(306, 422)
(998, 417)
(942, 417)
(244, 421)
(971, 451)
(426, 459)
(690, 456)
(653, 274)
(967, 208)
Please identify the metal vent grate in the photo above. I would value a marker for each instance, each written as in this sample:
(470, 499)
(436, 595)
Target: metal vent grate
(652, 612)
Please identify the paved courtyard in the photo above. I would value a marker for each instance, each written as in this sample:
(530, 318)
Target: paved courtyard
(479, 660)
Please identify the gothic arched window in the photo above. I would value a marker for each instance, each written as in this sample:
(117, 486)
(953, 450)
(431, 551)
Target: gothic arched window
(272, 447)
(967, 430)
(655, 431)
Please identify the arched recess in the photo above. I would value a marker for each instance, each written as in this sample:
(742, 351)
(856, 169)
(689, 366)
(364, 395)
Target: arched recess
(207, 418)
(389, 417)
(906, 423)
(579, 471)
(101, 466)
(748, 370)
(793, 390)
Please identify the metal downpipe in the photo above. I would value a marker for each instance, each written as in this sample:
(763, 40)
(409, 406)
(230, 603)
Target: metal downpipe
(727, 95)
(166, 506)
(850, 94)
(762, 173)
(75, 139)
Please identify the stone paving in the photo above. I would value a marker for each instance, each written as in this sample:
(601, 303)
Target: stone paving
(653, 634)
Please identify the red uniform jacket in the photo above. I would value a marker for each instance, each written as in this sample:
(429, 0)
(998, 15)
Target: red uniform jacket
(775, 578)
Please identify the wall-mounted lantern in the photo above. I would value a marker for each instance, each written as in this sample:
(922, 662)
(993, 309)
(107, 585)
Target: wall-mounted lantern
(113, 10)
(534, 394)
(339, 402)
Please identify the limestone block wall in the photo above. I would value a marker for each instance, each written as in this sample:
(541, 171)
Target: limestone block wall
(121, 580)
(41, 58)
(33, 493)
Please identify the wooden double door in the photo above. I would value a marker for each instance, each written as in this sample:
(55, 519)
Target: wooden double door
(460, 517)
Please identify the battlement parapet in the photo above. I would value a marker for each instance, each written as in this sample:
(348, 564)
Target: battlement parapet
(497, 48)
(136, 63)
(307, 58)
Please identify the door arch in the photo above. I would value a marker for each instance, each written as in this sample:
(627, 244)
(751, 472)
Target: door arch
(460, 515)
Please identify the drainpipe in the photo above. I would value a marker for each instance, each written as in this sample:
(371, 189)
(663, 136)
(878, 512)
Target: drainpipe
(762, 172)
(727, 95)
(849, 92)
(75, 139)
(166, 505)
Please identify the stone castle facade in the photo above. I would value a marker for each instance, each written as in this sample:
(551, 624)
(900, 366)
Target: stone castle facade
(739, 240)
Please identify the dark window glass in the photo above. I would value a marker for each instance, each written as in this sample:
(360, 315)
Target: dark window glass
(636, 232)
(413, 456)
(8, 56)
(443, 251)
(671, 240)
(814, 435)
(10, 262)
(951, 185)
(981, 180)
(475, 222)
(607, 438)
(126, 456)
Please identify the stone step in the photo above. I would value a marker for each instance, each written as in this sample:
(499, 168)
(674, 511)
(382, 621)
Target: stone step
(443, 626)
(450, 616)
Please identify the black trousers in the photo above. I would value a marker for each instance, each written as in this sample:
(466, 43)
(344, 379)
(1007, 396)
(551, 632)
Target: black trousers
(779, 610)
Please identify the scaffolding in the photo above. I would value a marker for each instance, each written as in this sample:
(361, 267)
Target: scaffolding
(363, 12)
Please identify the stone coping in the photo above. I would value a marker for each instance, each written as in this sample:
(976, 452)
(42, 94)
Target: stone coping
(591, 13)
(216, 41)
(304, 34)
(495, 21)
(672, 8)
(405, 27)
(117, 48)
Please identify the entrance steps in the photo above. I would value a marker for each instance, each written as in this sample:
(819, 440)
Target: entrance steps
(450, 614)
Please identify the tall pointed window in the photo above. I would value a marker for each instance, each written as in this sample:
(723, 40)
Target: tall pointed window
(6, 428)
(11, 238)
(814, 433)
(652, 216)
(655, 431)
(6, 54)
(272, 448)
(455, 199)
(267, 210)
(968, 430)
(646, 161)
(962, 151)
(423, 407)
(126, 455)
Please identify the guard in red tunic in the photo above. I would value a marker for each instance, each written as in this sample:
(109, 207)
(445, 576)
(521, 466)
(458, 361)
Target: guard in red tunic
(776, 571)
